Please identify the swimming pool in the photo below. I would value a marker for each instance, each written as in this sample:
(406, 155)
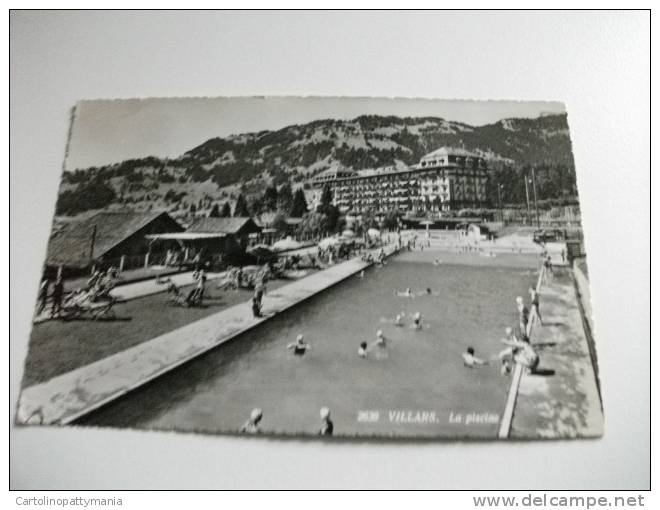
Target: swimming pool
(415, 386)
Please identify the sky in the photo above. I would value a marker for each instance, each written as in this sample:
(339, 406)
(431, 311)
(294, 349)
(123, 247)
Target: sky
(110, 131)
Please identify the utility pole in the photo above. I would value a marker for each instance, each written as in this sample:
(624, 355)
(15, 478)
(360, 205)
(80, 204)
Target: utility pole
(91, 248)
(527, 192)
(536, 205)
(499, 201)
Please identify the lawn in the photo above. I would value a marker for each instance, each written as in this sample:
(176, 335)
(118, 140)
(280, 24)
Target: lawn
(58, 346)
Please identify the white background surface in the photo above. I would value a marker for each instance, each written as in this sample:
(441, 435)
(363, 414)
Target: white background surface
(597, 63)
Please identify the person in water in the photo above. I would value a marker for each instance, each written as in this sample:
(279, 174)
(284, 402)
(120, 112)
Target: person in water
(362, 351)
(327, 427)
(252, 425)
(417, 321)
(505, 369)
(380, 339)
(470, 360)
(408, 293)
(299, 347)
(398, 320)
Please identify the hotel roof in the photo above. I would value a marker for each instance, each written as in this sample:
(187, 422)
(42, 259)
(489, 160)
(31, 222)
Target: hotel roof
(451, 151)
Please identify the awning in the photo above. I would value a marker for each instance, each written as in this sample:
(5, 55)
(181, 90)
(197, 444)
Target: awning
(186, 236)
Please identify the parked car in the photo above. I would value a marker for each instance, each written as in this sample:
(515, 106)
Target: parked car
(549, 235)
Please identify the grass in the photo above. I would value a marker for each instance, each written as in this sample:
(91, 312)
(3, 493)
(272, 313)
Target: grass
(58, 346)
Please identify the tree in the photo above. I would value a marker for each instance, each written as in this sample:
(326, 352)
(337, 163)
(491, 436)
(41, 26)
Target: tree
(369, 219)
(391, 219)
(313, 223)
(332, 215)
(215, 211)
(326, 208)
(299, 205)
(256, 204)
(270, 198)
(95, 194)
(226, 210)
(326, 199)
(285, 198)
(241, 207)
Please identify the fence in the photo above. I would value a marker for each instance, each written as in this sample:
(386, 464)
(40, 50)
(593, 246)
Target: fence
(554, 217)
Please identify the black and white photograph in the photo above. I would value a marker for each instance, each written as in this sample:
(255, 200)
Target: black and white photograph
(329, 249)
(332, 267)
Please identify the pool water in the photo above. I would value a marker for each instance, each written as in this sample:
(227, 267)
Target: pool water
(415, 386)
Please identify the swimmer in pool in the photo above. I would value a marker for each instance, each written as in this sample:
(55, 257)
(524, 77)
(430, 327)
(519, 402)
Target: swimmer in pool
(396, 321)
(299, 347)
(470, 360)
(380, 352)
(361, 274)
(427, 292)
(252, 425)
(417, 321)
(362, 351)
(408, 293)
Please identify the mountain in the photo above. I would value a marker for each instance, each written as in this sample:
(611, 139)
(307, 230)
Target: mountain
(214, 170)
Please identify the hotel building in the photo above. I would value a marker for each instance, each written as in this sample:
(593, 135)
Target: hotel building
(446, 179)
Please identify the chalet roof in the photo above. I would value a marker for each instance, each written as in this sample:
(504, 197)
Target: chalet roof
(71, 245)
(222, 225)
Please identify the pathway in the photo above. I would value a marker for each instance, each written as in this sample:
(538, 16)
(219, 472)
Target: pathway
(562, 400)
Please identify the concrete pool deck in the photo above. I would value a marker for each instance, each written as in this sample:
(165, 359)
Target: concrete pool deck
(69, 396)
(562, 400)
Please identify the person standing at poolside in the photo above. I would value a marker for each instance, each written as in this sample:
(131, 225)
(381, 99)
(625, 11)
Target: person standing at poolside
(259, 291)
(549, 272)
(256, 307)
(58, 294)
(535, 304)
(523, 318)
(327, 427)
